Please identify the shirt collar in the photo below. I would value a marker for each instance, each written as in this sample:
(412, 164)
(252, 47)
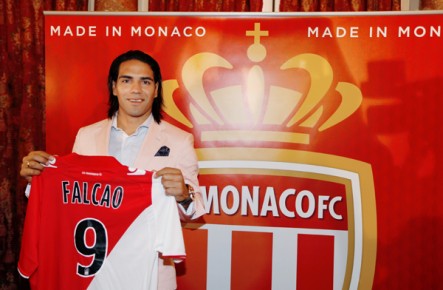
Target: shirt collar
(145, 124)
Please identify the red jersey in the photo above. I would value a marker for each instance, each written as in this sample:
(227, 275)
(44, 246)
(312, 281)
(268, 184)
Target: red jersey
(93, 223)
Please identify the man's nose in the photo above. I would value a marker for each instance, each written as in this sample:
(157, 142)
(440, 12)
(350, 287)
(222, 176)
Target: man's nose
(136, 87)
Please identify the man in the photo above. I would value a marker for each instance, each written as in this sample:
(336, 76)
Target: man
(135, 134)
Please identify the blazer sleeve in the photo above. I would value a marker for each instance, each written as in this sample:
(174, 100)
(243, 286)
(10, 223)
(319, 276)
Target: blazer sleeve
(188, 164)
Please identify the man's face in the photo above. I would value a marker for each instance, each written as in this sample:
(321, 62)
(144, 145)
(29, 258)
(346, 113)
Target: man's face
(135, 89)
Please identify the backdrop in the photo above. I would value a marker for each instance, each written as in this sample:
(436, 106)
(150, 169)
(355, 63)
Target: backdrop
(317, 135)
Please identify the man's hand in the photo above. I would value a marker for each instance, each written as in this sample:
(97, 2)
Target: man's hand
(32, 164)
(174, 183)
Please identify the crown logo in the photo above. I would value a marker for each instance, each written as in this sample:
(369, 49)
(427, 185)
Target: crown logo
(252, 110)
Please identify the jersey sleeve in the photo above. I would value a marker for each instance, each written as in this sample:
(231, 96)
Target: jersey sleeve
(169, 236)
(28, 260)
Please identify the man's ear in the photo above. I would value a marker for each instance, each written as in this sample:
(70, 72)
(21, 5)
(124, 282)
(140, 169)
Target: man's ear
(156, 90)
(113, 88)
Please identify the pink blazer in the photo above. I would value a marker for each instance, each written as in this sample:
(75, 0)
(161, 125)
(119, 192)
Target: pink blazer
(94, 140)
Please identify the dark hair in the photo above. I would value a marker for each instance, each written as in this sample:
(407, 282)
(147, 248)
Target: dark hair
(113, 75)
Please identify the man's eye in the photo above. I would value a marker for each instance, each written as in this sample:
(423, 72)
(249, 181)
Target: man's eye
(146, 82)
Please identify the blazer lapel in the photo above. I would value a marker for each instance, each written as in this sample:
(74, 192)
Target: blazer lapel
(153, 141)
(102, 138)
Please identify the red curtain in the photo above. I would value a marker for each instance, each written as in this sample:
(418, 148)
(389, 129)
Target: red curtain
(206, 5)
(339, 5)
(22, 90)
(22, 111)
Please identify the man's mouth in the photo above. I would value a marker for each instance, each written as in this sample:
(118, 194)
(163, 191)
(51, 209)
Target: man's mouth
(135, 100)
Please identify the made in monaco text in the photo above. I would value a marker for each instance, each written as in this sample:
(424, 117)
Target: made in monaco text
(133, 31)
